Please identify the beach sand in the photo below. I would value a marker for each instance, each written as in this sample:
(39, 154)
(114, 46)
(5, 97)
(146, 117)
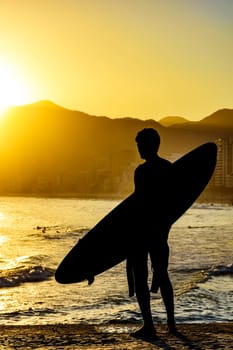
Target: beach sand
(191, 336)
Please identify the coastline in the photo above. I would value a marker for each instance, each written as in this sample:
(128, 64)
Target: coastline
(207, 197)
(222, 195)
(116, 336)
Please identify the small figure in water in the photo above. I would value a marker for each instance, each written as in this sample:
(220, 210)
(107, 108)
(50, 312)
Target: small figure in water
(151, 234)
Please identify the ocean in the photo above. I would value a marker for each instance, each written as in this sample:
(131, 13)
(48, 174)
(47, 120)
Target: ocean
(36, 233)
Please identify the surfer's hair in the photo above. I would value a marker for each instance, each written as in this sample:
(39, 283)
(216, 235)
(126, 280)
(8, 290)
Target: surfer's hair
(149, 135)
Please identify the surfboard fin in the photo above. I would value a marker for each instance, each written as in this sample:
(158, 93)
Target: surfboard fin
(90, 280)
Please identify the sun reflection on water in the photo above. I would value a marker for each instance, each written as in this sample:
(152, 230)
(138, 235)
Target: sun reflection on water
(2, 239)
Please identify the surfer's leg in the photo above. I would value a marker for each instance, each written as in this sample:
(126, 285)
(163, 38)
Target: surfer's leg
(140, 271)
(167, 294)
(159, 258)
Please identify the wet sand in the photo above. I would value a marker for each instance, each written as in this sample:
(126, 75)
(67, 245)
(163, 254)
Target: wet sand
(190, 336)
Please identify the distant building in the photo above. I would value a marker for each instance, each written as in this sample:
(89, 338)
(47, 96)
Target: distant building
(223, 176)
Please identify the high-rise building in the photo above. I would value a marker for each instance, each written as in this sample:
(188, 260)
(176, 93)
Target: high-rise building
(223, 176)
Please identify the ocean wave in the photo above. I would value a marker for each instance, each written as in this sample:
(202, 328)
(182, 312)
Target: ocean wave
(58, 232)
(214, 206)
(16, 276)
(197, 276)
(222, 270)
(191, 282)
(201, 227)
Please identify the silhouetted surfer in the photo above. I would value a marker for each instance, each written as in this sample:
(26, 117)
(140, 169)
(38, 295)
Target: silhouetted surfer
(151, 234)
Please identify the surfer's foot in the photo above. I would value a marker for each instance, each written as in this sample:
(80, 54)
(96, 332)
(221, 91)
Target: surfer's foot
(145, 333)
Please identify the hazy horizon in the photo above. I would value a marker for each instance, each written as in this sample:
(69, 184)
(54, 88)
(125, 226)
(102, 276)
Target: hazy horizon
(142, 59)
(107, 116)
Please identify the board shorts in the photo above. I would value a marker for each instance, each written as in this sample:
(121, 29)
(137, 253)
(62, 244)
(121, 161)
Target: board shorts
(156, 247)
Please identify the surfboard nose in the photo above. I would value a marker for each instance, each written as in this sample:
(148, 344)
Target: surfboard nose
(63, 274)
(63, 278)
(60, 276)
(213, 151)
(213, 146)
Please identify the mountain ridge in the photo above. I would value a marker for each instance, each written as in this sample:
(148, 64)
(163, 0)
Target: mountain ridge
(225, 114)
(173, 120)
(45, 148)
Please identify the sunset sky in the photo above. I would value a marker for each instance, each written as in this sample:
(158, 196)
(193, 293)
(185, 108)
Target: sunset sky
(137, 58)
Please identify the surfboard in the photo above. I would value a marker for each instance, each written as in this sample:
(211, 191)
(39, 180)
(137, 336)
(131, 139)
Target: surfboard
(109, 241)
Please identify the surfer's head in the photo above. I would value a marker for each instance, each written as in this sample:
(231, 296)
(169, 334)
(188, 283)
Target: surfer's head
(148, 141)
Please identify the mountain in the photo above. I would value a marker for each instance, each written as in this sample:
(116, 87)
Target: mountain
(48, 149)
(168, 121)
(220, 119)
(217, 125)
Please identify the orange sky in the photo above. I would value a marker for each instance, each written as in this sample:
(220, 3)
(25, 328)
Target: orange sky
(137, 58)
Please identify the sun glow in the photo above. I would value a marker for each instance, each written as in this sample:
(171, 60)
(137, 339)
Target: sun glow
(13, 88)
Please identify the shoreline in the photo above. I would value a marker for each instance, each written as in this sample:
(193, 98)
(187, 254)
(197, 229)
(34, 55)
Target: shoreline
(204, 198)
(116, 336)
